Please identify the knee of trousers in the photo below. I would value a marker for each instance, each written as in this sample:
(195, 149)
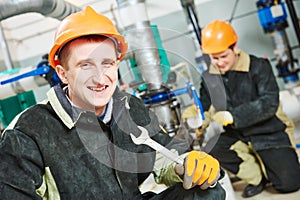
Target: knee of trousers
(287, 185)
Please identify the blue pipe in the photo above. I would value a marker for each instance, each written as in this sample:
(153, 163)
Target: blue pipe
(165, 96)
(189, 89)
(38, 71)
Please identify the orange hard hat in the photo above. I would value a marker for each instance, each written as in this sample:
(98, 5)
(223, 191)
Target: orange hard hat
(85, 22)
(217, 36)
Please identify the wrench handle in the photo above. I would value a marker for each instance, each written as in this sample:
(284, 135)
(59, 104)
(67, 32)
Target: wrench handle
(163, 150)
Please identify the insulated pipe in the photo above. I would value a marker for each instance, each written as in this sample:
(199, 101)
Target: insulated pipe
(141, 39)
(282, 47)
(290, 100)
(58, 9)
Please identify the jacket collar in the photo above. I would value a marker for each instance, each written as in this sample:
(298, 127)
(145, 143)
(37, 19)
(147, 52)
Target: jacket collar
(242, 63)
(61, 105)
(68, 113)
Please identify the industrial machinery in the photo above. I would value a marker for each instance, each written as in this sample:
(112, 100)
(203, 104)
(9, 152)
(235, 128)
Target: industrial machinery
(273, 19)
(149, 64)
(16, 84)
(153, 77)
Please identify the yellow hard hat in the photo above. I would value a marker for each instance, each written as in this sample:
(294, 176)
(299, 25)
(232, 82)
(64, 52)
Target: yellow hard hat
(217, 36)
(85, 22)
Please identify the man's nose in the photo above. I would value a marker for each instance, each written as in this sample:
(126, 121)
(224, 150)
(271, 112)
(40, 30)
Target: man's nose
(99, 72)
(220, 62)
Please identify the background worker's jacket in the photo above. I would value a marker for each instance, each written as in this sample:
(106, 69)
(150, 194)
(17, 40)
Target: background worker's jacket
(56, 151)
(249, 91)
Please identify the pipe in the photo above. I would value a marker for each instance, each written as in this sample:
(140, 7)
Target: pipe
(58, 9)
(282, 48)
(141, 39)
(189, 10)
(22, 85)
(201, 59)
(290, 100)
(294, 17)
(5, 51)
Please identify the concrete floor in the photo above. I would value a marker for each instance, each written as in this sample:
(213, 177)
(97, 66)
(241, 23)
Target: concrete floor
(268, 194)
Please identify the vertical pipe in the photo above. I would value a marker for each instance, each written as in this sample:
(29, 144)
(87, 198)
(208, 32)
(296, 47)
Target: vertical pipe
(194, 20)
(140, 36)
(5, 51)
(294, 17)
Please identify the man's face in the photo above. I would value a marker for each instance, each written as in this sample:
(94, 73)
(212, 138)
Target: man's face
(91, 74)
(224, 61)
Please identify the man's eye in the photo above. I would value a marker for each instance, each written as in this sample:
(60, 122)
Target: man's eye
(85, 65)
(109, 64)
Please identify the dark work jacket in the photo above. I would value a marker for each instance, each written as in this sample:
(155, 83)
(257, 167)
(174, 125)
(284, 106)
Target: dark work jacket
(54, 150)
(249, 91)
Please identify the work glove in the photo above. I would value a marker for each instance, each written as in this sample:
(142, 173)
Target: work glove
(223, 118)
(192, 117)
(200, 130)
(199, 168)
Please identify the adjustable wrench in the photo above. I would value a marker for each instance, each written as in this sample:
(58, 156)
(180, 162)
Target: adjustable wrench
(144, 138)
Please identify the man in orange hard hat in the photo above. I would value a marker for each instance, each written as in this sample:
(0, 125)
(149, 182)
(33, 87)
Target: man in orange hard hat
(77, 144)
(239, 92)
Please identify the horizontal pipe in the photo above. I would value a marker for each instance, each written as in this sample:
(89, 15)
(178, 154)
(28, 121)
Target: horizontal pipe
(58, 9)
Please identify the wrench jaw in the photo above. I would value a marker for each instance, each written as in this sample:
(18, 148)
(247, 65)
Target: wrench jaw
(146, 140)
(142, 138)
(136, 140)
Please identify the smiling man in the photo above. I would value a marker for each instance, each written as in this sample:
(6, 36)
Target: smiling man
(77, 144)
(90, 74)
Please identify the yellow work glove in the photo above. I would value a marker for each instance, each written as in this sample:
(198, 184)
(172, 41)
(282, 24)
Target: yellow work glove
(189, 112)
(199, 169)
(199, 131)
(223, 118)
(192, 116)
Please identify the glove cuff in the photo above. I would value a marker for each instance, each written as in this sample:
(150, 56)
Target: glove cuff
(228, 116)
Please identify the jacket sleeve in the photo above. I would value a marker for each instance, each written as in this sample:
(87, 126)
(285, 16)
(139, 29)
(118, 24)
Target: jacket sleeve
(265, 105)
(21, 166)
(163, 170)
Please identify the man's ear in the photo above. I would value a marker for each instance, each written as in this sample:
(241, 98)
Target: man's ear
(61, 74)
(235, 49)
